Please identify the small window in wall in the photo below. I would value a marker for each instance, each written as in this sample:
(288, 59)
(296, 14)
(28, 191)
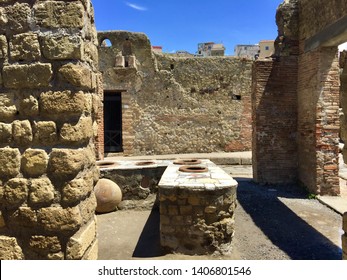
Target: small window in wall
(106, 43)
(267, 48)
(172, 66)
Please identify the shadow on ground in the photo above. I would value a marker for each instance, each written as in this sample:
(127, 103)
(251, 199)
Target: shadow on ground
(272, 223)
(148, 245)
(286, 230)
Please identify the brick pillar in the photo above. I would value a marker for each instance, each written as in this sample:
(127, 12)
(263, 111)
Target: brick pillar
(274, 104)
(48, 103)
(318, 120)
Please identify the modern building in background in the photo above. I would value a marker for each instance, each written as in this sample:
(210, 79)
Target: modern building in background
(246, 51)
(210, 49)
(157, 49)
(266, 48)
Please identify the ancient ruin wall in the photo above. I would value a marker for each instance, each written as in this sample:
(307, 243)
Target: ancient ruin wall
(177, 105)
(316, 15)
(274, 102)
(47, 110)
(318, 94)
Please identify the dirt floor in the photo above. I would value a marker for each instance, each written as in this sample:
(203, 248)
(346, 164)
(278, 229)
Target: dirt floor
(272, 223)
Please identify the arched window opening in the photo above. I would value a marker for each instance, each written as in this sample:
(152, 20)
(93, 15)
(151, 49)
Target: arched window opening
(106, 43)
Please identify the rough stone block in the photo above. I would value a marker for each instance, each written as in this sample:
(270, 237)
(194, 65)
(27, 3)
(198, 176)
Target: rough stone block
(45, 133)
(2, 220)
(27, 76)
(91, 53)
(23, 218)
(76, 190)
(65, 103)
(56, 256)
(18, 17)
(65, 164)
(87, 208)
(5, 133)
(3, 19)
(71, 14)
(81, 241)
(3, 44)
(8, 109)
(186, 210)
(16, 192)
(9, 162)
(22, 132)
(34, 162)
(59, 47)
(92, 252)
(25, 47)
(29, 106)
(79, 133)
(78, 75)
(58, 219)
(195, 201)
(45, 245)
(9, 249)
(41, 192)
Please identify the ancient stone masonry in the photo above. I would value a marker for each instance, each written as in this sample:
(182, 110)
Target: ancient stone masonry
(176, 105)
(48, 104)
(197, 210)
(304, 78)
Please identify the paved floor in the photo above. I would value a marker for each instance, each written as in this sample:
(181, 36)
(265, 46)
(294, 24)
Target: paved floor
(271, 223)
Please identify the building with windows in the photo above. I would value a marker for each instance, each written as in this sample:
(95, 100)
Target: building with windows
(246, 51)
(266, 48)
(210, 49)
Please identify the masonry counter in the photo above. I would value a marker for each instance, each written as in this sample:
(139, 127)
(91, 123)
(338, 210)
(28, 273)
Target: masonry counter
(197, 209)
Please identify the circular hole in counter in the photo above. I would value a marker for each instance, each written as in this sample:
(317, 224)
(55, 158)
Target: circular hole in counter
(193, 169)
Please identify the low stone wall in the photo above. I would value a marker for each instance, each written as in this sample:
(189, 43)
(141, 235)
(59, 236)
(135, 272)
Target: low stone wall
(139, 184)
(197, 211)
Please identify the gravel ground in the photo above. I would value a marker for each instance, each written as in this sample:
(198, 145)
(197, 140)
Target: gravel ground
(272, 223)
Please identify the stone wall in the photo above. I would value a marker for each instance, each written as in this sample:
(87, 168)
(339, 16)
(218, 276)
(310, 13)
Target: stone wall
(317, 15)
(177, 105)
(197, 211)
(48, 104)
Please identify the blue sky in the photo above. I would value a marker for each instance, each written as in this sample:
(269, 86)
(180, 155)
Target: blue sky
(182, 24)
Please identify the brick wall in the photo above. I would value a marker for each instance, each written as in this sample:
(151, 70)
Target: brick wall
(47, 113)
(274, 103)
(318, 115)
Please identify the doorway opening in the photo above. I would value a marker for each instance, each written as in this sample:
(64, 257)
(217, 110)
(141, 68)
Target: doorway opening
(113, 136)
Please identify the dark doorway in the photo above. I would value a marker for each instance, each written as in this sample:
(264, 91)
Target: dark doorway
(113, 122)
